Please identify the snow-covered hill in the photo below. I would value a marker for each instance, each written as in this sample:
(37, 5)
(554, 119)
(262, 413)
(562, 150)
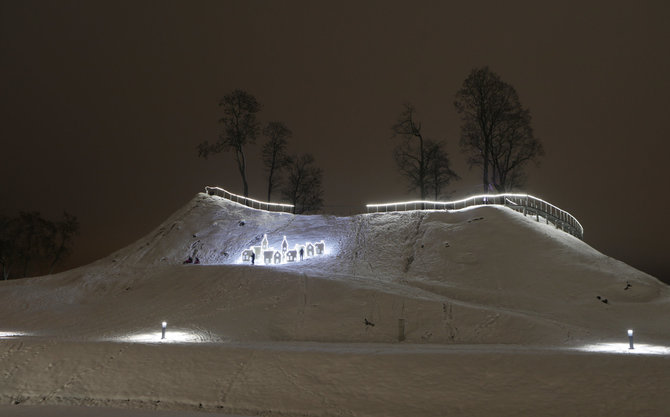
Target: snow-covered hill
(482, 276)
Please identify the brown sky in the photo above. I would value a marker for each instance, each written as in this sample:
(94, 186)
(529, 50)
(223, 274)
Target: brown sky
(103, 104)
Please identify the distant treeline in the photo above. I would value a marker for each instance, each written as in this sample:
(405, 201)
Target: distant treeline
(32, 245)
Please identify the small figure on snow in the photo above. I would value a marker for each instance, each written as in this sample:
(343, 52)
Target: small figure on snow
(302, 253)
(188, 261)
(253, 258)
(197, 260)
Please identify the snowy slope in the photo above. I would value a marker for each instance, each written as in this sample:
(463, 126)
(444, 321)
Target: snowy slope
(481, 276)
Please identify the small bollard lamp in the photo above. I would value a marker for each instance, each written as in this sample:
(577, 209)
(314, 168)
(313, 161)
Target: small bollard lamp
(165, 326)
(630, 339)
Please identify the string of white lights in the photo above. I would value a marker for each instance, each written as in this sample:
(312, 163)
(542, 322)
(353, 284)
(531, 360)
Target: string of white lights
(222, 193)
(487, 199)
(524, 200)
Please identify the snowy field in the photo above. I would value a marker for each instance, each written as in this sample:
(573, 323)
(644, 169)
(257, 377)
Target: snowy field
(475, 312)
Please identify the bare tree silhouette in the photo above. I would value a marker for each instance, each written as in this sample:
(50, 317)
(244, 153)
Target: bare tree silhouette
(240, 128)
(303, 187)
(423, 162)
(275, 156)
(495, 130)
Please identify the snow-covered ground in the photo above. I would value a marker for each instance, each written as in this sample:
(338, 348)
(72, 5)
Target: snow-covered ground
(474, 312)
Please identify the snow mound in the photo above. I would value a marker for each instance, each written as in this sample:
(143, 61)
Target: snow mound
(480, 275)
(472, 312)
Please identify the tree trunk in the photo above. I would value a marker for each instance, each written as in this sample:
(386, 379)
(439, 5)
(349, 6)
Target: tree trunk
(242, 166)
(485, 178)
(270, 183)
(25, 267)
(55, 261)
(422, 169)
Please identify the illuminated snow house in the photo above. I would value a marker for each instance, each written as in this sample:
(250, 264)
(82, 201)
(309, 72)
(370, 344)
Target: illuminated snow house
(277, 257)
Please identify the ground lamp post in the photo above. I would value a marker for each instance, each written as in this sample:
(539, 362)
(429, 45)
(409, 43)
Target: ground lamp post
(630, 339)
(165, 326)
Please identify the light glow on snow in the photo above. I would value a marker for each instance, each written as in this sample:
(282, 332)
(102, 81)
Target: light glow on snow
(173, 336)
(9, 335)
(485, 200)
(283, 256)
(624, 348)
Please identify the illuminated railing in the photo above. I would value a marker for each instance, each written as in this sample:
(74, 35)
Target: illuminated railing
(249, 202)
(523, 203)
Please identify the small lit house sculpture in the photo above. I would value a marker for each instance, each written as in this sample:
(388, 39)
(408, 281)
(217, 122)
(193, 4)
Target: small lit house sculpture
(275, 257)
(267, 256)
(320, 248)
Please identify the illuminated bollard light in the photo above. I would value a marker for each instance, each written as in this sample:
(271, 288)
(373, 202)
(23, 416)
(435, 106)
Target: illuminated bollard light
(630, 339)
(164, 327)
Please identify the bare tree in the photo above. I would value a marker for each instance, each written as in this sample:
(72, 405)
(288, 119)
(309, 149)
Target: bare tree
(303, 187)
(240, 128)
(9, 256)
(516, 148)
(61, 238)
(33, 243)
(275, 156)
(495, 130)
(423, 162)
(438, 168)
(410, 154)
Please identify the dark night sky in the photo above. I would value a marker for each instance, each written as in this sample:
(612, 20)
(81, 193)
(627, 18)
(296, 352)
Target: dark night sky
(103, 104)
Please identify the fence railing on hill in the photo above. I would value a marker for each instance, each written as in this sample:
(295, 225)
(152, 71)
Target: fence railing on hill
(523, 203)
(249, 202)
